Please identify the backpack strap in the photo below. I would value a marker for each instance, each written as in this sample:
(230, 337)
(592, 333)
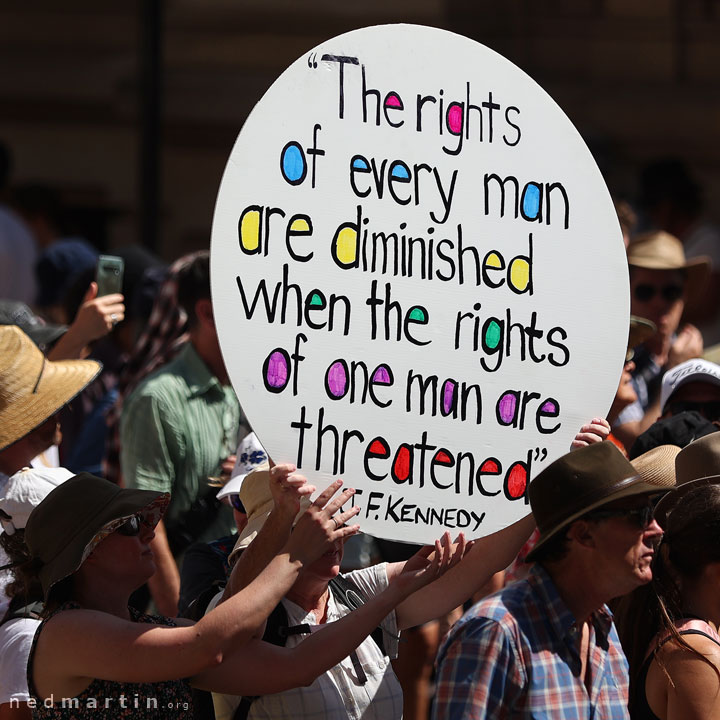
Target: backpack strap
(276, 633)
(196, 609)
(347, 593)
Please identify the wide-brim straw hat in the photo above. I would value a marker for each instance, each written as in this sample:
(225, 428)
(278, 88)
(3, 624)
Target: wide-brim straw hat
(77, 515)
(32, 388)
(257, 500)
(697, 464)
(659, 250)
(579, 482)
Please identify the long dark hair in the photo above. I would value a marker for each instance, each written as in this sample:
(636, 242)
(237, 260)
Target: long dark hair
(691, 542)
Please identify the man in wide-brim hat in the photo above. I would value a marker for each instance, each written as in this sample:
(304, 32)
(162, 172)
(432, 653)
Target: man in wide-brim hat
(546, 646)
(662, 280)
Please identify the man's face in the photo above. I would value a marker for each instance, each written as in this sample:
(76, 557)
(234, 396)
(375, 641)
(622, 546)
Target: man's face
(658, 295)
(625, 545)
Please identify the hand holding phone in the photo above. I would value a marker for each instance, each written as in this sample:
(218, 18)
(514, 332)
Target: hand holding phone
(109, 274)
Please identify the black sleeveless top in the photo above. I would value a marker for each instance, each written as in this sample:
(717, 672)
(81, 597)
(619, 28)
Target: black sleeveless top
(642, 710)
(103, 699)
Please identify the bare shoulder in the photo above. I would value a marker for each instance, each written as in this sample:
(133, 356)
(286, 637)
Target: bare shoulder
(675, 654)
(81, 629)
(691, 688)
(78, 620)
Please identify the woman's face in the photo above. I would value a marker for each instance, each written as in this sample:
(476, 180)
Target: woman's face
(126, 557)
(327, 566)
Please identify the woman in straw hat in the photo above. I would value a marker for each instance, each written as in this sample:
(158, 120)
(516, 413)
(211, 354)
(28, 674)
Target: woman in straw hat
(95, 657)
(32, 391)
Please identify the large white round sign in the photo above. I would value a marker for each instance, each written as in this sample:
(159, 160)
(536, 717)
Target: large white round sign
(418, 278)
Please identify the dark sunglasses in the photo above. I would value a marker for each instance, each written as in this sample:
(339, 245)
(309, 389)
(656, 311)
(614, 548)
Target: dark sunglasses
(131, 526)
(669, 293)
(237, 503)
(642, 517)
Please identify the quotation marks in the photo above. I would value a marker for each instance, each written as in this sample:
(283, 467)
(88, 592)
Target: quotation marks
(312, 61)
(540, 454)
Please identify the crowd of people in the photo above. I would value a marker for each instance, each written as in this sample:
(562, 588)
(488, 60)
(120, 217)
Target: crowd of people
(155, 562)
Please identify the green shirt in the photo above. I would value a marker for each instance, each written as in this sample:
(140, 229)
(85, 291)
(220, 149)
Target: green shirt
(177, 427)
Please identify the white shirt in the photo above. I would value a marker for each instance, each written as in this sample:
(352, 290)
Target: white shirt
(337, 694)
(16, 638)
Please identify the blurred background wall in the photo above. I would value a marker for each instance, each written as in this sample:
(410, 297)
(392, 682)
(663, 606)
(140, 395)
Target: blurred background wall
(130, 108)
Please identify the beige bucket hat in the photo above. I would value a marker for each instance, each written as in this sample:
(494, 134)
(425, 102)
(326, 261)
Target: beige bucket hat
(657, 466)
(257, 499)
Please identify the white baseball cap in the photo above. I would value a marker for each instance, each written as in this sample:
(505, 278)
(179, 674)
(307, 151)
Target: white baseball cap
(250, 456)
(24, 491)
(695, 370)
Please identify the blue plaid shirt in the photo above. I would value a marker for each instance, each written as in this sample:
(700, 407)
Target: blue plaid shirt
(515, 655)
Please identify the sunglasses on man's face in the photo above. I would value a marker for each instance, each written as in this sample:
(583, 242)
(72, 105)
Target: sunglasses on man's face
(669, 293)
(131, 526)
(641, 517)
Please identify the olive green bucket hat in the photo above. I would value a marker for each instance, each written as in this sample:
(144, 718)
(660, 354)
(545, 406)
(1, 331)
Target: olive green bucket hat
(69, 523)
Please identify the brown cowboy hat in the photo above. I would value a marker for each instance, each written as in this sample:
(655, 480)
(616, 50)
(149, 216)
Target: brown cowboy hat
(697, 464)
(659, 250)
(32, 388)
(69, 523)
(581, 481)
